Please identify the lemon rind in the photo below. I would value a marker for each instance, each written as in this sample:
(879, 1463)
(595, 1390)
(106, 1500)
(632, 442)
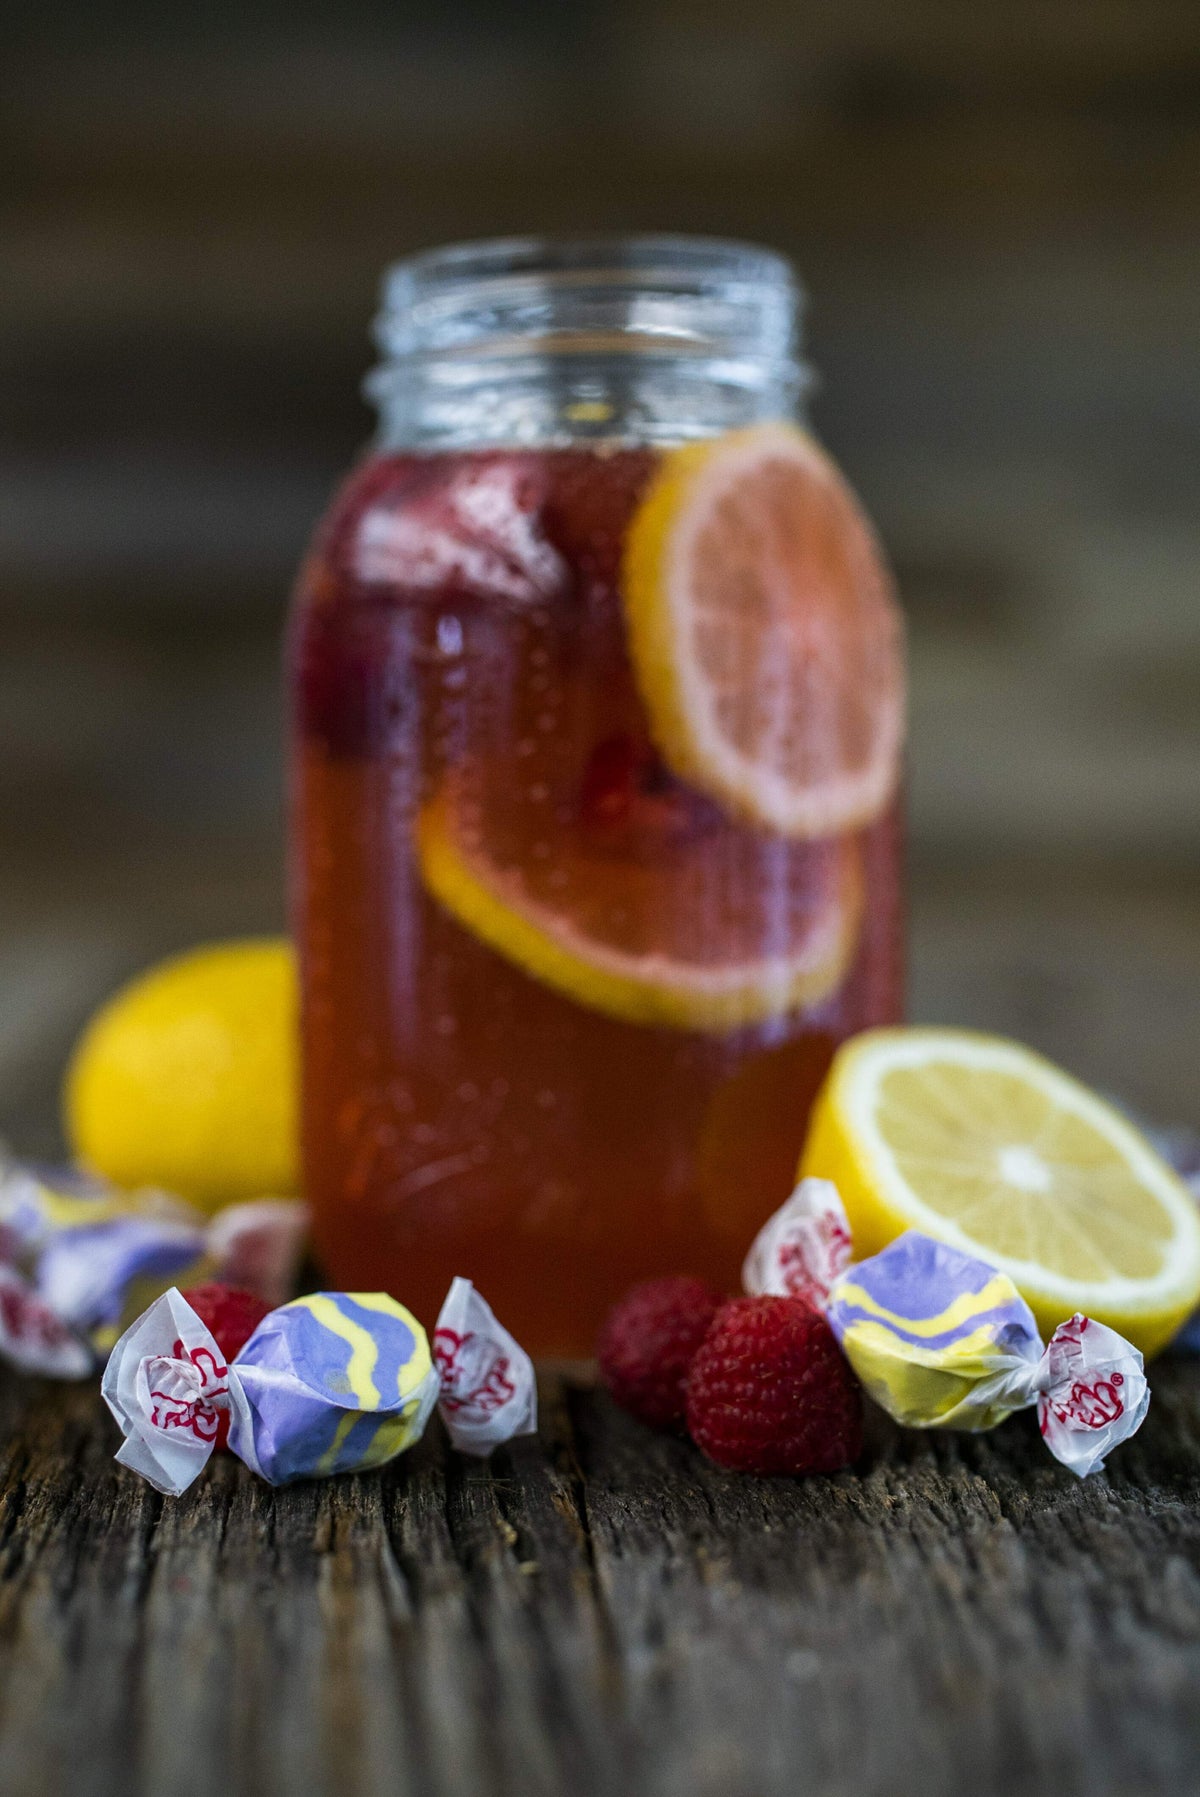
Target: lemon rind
(658, 616)
(650, 990)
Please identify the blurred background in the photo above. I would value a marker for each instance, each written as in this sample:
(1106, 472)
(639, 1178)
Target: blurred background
(996, 211)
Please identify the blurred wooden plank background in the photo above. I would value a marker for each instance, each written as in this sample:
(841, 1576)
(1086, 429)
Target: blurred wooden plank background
(997, 211)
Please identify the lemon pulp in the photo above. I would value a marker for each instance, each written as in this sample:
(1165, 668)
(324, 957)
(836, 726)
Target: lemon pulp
(765, 638)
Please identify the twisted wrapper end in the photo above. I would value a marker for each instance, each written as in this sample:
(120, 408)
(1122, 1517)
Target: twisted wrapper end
(1091, 1393)
(259, 1245)
(488, 1391)
(167, 1383)
(801, 1250)
(34, 1337)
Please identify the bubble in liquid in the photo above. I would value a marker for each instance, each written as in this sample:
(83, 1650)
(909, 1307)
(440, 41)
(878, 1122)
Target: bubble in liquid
(446, 1025)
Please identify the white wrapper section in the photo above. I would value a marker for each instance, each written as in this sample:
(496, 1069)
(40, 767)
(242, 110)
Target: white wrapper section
(33, 1337)
(799, 1252)
(167, 1384)
(488, 1390)
(1091, 1393)
(258, 1246)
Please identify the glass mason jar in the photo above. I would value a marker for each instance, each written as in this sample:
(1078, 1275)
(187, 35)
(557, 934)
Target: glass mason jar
(597, 703)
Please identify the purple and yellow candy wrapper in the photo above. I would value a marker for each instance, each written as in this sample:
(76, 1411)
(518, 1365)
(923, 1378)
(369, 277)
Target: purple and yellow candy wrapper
(79, 1257)
(942, 1340)
(334, 1382)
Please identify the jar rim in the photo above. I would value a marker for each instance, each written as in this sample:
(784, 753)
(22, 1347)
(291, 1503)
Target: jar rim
(714, 258)
(712, 293)
(533, 338)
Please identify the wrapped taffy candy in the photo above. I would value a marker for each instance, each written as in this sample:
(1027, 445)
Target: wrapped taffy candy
(800, 1251)
(33, 1337)
(942, 1340)
(334, 1382)
(78, 1258)
(487, 1389)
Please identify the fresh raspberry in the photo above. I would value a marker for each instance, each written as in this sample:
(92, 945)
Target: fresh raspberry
(231, 1316)
(648, 1343)
(770, 1391)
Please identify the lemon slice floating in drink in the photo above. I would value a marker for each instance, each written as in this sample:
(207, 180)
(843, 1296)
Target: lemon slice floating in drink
(643, 936)
(984, 1144)
(765, 637)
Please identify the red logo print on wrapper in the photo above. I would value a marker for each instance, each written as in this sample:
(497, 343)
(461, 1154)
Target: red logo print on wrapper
(170, 1388)
(488, 1391)
(178, 1401)
(1092, 1393)
(474, 1375)
(1086, 1406)
(801, 1250)
(1081, 1406)
(33, 1337)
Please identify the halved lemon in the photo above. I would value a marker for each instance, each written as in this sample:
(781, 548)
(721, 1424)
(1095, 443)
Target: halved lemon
(701, 934)
(765, 636)
(982, 1143)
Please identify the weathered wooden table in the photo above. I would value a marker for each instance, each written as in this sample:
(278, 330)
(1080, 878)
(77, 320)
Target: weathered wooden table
(601, 1611)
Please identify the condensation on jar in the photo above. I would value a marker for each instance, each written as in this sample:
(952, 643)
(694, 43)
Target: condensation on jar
(596, 712)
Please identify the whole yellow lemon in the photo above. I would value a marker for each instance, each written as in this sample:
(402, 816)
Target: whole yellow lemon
(187, 1077)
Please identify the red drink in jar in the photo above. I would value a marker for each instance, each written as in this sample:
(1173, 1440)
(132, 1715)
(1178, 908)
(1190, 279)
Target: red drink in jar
(597, 707)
